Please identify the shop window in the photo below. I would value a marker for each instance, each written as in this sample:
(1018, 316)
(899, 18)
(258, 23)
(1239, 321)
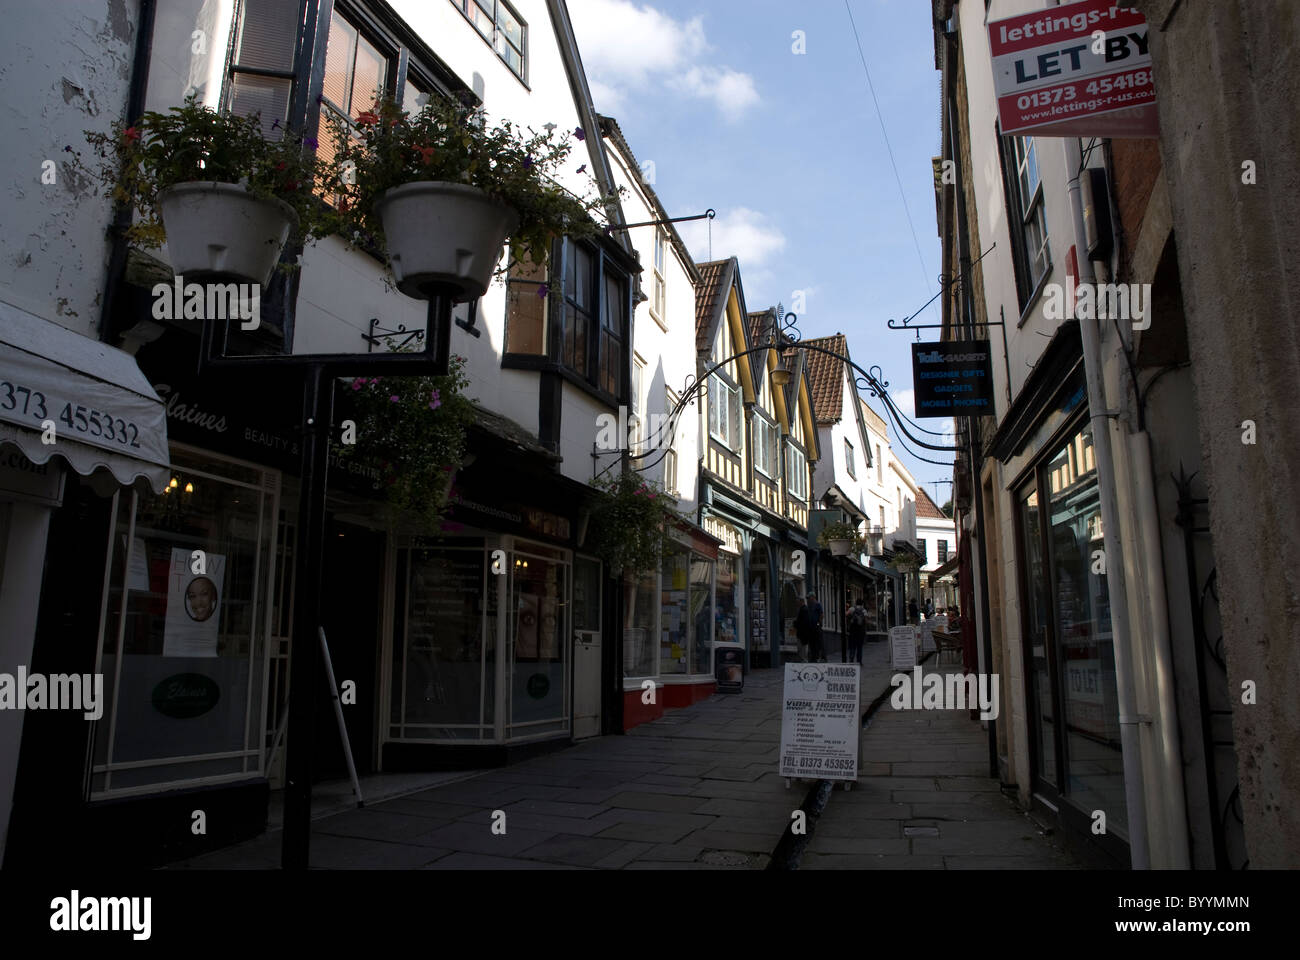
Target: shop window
(640, 642)
(182, 645)
(538, 641)
(701, 614)
(1068, 624)
(442, 599)
(727, 600)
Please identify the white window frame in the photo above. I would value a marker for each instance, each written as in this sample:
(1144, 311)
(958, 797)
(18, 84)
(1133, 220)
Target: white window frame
(767, 439)
(796, 482)
(732, 394)
(848, 458)
(659, 302)
(638, 407)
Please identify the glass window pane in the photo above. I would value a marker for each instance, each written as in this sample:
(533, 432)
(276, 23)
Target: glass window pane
(701, 600)
(539, 604)
(267, 35)
(339, 54)
(639, 643)
(268, 96)
(612, 307)
(514, 60)
(481, 18)
(526, 309)
(370, 78)
(674, 625)
(439, 688)
(579, 280)
(510, 27)
(1036, 613)
(1093, 769)
(414, 96)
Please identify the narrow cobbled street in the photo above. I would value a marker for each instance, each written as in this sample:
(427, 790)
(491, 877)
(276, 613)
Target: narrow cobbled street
(699, 789)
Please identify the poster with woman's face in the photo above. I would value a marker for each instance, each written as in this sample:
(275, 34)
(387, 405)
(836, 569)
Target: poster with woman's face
(537, 631)
(193, 620)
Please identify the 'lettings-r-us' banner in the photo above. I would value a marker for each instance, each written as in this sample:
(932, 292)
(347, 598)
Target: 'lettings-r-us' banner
(1077, 70)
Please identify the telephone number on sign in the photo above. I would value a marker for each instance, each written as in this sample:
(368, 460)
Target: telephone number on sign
(97, 423)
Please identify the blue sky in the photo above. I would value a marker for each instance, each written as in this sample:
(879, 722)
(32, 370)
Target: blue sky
(789, 151)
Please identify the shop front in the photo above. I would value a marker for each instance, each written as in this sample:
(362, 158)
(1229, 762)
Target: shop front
(668, 628)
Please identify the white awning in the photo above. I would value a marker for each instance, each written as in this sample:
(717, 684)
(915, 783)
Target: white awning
(103, 411)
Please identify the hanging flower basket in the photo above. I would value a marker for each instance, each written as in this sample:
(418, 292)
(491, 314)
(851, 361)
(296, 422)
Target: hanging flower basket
(220, 229)
(631, 525)
(414, 430)
(225, 199)
(443, 233)
(841, 537)
(438, 193)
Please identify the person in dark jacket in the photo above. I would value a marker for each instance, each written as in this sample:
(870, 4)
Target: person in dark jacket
(803, 629)
(913, 612)
(816, 653)
(855, 615)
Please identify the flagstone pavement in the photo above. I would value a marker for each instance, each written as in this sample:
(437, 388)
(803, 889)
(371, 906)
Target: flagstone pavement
(697, 789)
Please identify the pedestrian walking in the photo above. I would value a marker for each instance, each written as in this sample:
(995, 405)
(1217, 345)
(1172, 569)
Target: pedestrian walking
(803, 629)
(913, 612)
(929, 608)
(816, 652)
(855, 614)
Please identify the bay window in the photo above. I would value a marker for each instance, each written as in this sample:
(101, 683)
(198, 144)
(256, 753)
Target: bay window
(574, 317)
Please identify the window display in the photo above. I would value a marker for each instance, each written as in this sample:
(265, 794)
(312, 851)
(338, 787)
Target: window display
(182, 648)
(727, 600)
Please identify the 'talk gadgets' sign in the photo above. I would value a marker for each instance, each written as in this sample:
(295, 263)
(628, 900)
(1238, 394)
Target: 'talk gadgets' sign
(953, 378)
(1077, 70)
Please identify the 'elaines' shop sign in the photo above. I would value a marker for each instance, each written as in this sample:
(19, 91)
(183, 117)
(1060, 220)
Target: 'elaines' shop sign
(952, 379)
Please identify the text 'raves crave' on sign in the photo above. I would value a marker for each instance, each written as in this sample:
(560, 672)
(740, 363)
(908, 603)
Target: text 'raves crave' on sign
(1077, 70)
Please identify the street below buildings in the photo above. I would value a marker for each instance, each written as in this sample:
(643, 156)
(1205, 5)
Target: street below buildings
(699, 789)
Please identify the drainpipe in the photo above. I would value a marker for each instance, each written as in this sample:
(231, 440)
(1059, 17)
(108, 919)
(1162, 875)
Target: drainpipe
(1116, 584)
(122, 215)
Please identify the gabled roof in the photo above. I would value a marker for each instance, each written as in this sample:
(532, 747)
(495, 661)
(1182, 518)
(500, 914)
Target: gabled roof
(925, 507)
(826, 375)
(711, 300)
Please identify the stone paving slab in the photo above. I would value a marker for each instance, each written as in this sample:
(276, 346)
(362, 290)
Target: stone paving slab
(699, 789)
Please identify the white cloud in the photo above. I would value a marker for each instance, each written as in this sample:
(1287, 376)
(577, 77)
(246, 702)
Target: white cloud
(628, 48)
(743, 233)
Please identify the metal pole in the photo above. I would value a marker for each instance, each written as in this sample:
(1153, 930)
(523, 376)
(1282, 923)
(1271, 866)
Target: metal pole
(304, 668)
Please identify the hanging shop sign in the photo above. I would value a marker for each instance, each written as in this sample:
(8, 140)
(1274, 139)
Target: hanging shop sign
(820, 721)
(953, 378)
(1077, 70)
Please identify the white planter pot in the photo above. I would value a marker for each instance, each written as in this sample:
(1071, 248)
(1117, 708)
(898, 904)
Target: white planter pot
(220, 229)
(443, 233)
(840, 548)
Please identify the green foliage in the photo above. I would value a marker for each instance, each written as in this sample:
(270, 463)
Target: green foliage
(414, 428)
(839, 530)
(388, 147)
(630, 527)
(195, 143)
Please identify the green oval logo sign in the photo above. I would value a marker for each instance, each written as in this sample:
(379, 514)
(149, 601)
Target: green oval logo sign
(539, 685)
(186, 695)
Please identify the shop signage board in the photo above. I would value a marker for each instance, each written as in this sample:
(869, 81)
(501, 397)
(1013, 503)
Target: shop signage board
(820, 721)
(953, 378)
(1076, 70)
(902, 646)
(729, 667)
